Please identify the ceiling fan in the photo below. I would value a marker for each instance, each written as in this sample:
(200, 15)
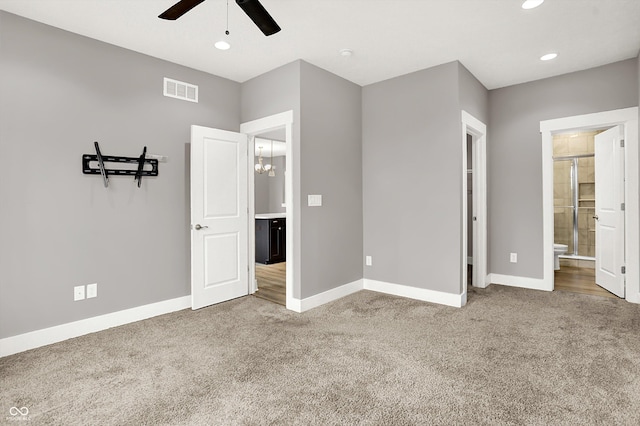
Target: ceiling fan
(252, 8)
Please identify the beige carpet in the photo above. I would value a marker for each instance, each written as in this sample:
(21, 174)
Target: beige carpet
(511, 356)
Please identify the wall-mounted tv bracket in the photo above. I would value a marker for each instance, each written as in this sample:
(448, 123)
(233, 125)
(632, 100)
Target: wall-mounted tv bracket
(105, 172)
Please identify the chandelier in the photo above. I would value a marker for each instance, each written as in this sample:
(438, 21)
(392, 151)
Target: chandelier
(261, 167)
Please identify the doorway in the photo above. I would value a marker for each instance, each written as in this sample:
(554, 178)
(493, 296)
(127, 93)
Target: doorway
(474, 202)
(627, 121)
(270, 216)
(574, 198)
(276, 127)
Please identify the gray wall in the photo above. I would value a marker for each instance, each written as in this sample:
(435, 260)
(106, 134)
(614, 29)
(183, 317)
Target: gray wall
(60, 228)
(474, 97)
(327, 161)
(412, 159)
(271, 93)
(331, 165)
(514, 154)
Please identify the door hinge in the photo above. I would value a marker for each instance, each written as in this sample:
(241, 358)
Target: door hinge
(621, 143)
(622, 206)
(623, 269)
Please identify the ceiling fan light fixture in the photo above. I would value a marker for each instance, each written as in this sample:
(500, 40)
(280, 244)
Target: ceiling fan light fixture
(222, 45)
(253, 9)
(548, 56)
(530, 4)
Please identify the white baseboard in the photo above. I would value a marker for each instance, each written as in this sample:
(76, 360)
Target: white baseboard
(47, 336)
(523, 282)
(301, 305)
(455, 300)
(632, 297)
(294, 305)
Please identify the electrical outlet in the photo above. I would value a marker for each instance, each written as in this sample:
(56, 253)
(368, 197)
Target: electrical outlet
(92, 290)
(514, 258)
(78, 293)
(368, 261)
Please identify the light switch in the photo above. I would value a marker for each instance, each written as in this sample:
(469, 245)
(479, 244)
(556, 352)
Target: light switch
(92, 290)
(314, 200)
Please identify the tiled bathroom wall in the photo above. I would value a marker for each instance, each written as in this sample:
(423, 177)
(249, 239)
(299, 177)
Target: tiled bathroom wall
(568, 145)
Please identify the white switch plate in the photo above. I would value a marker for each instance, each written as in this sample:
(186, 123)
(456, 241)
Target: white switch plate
(314, 200)
(78, 293)
(92, 290)
(368, 261)
(514, 258)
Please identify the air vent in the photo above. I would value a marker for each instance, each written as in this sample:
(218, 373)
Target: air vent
(180, 90)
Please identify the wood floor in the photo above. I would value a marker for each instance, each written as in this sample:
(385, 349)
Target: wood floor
(272, 282)
(579, 280)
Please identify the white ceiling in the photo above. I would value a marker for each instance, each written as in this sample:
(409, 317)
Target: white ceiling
(498, 41)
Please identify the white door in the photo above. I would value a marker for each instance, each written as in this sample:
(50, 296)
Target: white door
(609, 223)
(219, 218)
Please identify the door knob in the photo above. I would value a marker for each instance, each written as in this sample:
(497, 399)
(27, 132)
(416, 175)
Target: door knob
(199, 227)
(596, 217)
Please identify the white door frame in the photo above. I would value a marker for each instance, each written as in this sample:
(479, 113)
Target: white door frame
(478, 131)
(292, 209)
(628, 117)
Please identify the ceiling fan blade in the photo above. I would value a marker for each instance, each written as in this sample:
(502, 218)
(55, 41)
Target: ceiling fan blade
(179, 9)
(259, 16)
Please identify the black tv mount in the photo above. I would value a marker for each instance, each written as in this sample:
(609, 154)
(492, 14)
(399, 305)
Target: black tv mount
(105, 172)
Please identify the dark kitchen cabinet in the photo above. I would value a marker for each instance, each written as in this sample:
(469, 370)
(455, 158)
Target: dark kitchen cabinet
(270, 240)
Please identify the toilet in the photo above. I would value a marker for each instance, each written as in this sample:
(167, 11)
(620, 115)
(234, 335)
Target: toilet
(558, 249)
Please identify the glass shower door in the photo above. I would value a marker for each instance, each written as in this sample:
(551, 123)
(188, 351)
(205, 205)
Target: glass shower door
(564, 211)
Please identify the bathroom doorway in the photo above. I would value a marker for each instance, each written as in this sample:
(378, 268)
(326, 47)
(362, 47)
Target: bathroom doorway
(621, 179)
(574, 215)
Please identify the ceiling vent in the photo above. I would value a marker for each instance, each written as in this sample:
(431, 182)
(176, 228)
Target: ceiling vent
(180, 90)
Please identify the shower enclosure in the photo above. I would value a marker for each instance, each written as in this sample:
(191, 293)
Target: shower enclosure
(574, 204)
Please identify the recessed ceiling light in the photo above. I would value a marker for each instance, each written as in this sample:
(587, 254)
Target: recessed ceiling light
(222, 45)
(548, 56)
(530, 4)
(347, 53)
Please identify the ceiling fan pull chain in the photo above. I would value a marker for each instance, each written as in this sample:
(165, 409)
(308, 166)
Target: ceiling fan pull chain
(227, 30)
